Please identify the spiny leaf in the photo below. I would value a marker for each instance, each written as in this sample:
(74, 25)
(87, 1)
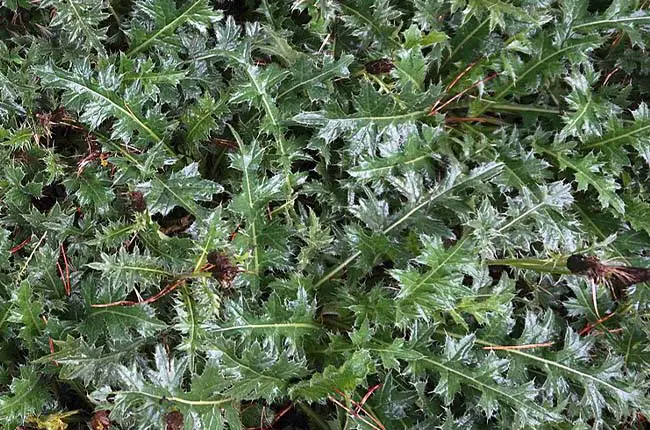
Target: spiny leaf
(255, 373)
(308, 77)
(28, 397)
(586, 170)
(589, 109)
(124, 269)
(372, 21)
(94, 191)
(345, 378)
(27, 311)
(145, 390)
(79, 22)
(546, 58)
(95, 97)
(200, 119)
(184, 188)
(155, 22)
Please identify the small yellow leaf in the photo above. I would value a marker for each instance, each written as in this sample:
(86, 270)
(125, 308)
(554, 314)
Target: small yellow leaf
(53, 421)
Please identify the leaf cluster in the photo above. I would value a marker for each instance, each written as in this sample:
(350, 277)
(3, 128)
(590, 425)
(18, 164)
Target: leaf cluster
(254, 214)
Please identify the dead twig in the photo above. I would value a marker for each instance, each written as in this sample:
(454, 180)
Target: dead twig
(460, 76)
(276, 418)
(51, 344)
(233, 235)
(20, 246)
(591, 326)
(168, 289)
(66, 280)
(365, 398)
(359, 405)
(351, 412)
(434, 110)
(29, 259)
(609, 75)
(62, 276)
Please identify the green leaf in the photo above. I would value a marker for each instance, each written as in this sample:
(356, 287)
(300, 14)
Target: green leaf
(499, 10)
(250, 202)
(183, 188)
(413, 154)
(26, 312)
(619, 135)
(255, 372)
(4, 249)
(545, 59)
(200, 120)
(375, 114)
(155, 22)
(79, 360)
(411, 69)
(440, 192)
(438, 289)
(372, 21)
(281, 320)
(589, 109)
(307, 76)
(27, 396)
(123, 270)
(121, 323)
(345, 378)
(94, 191)
(586, 172)
(79, 22)
(637, 213)
(193, 313)
(95, 98)
(150, 392)
(614, 22)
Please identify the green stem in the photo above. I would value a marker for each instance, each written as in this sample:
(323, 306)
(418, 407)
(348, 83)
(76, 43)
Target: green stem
(177, 399)
(514, 107)
(557, 267)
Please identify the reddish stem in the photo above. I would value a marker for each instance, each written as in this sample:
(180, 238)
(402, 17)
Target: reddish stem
(233, 235)
(460, 76)
(367, 395)
(435, 110)
(168, 289)
(609, 75)
(62, 276)
(591, 326)
(351, 412)
(51, 343)
(276, 418)
(20, 246)
(359, 405)
(66, 281)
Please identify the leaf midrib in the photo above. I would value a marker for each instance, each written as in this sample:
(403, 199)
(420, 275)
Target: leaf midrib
(172, 25)
(123, 109)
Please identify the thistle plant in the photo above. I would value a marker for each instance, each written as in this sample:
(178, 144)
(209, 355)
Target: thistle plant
(332, 214)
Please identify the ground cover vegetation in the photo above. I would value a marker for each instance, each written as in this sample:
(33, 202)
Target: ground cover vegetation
(330, 214)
